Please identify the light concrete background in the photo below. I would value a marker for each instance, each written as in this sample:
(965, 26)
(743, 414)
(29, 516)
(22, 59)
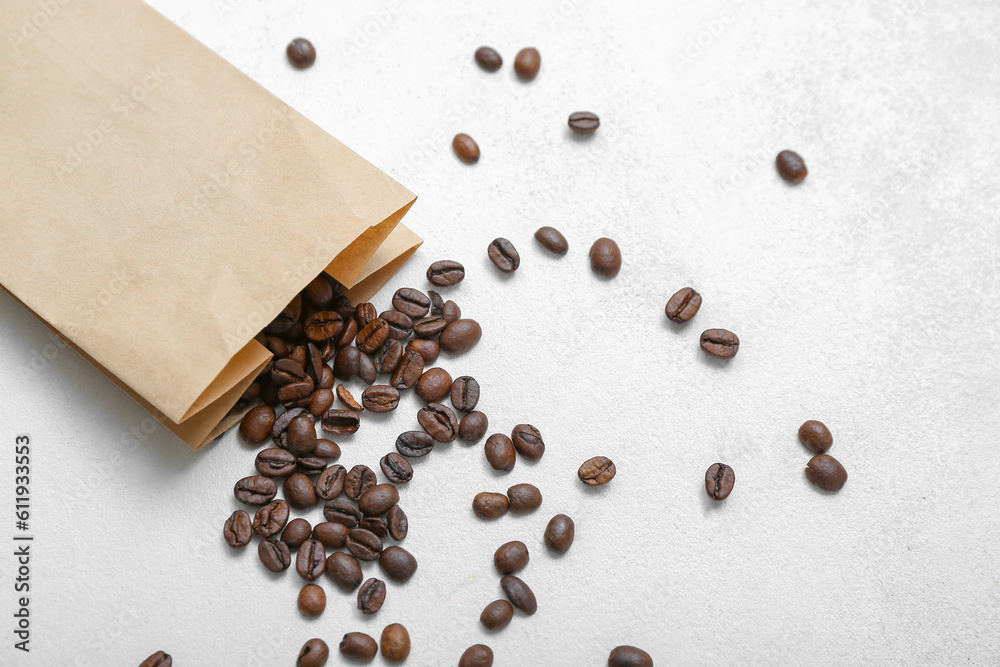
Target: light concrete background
(866, 297)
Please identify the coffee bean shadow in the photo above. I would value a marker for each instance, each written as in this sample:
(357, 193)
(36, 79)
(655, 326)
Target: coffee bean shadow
(578, 138)
(710, 361)
(675, 327)
(500, 275)
(709, 505)
(597, 491)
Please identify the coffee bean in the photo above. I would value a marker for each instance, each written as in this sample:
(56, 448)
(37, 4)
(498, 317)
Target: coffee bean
(326, 380)
(301, 436)
(314, 362)
(238, 530)
(397, 523)
(373, 336)
(330, 482)
(374, 524)
(451, 312)
(479, 655)
(430, 326)
(720, 343)
(584, 122)
(414, 444)
(466, 149)
(310, 465)
(271, 518)
(400, 325)
(312, 600)
(341, 422)
(319, 292)
(528, 441)
(345, 570)
(286, 318)
(719, 480)
(460, 336)
(629, 656)
(314, 653)
(326, 449)
(320, 402)
(366, 369)
(347, 363)
(559, 533)
(465, 393)
(323, 325)
(299, 355)
(257, 423)
(275, 462)
(527, 62)
(333, 535)
(437, 302)
(397, 563)
(296, 532)
(311, 561)
(388, 356)
(301, 53)
(605, 257)
(434, 385)
(380, 398)
(158, 659)
(815, 436)
(348, 334)
(347, 399)
(552, 240)
(504, 255)
(342, 511)
(371, 596)
(274, 555)
(596, 471)
(364, 313)
(277, 346)
(299, 491)
(683, 305)
(359, 479)
(426, 348)
(249, 395)
(411, 302)
(255, 490)
(496, 615)
(445, 272)
(282, 422)
(500, 452)
(287, 371)
(359, 647)
(490, 505)
(473, 427)
(826, 472)
(410, 368)
(396, 468)
(519, 594)
(296, 394)
(395, 643)
(378, 499)
(488, 59)
(439, 421)
(511, 557)
(791, 166)
(524, 498)
(363, 544)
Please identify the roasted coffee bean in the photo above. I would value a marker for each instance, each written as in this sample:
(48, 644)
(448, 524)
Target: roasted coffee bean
(275, 462)
(414, 444)
(330, 482)
(299, 491)
(629, 656)
(326, 449)
(683, 305)
(445, 272)
(359, 647)
(158, 659)
(490, 505)
(411, 302)
(256, 425)
(296, 532)
(528, 441)
(397, 563)
(410, 368)
(826, 472)
(271, 518)
(310, 465)
(720, 343)
(433, 385)
(348, 334)
(496, 615)
(311, 561)
(504, 255)
(500, 452)
(559, 533)
(451, 312)
(314, 653)
(791, 166)
(584, 122)
(396, 468)
(719, 480)
(345, 570)
(439, 421)
(301, 53)
(346, 363)
(340, 510)
(460, 336)
(465, 393)
(395, 643)
(373, 336)
(312, 600)
(380, 398)
(524, 498)
(366, 369)
(488, 59)
(519, 594)
(374, 524)
(371, 596)
(397, 523)
(364, 313)
(277, 346)
(275, 555)
(314, 362)
(320, 402)
(296, 394)
(552, 240)
(287, 371)
(479, 655)
(473, 427)
(331, 534)
(430, 326)
(359, 479)
(299, 355)
(341, 422)
(400, 325)
(511, 557)
(286, 318)
(596, 471)
(437, 302)
(426, 348)
(255, 490)
(269, 390)
(319, 292)
(348, 400)
(387, 357)
(815, 436)
(323, 325)
(282, 422)
(605, 257)
(326, 381)
(301, 436)
(378, 499)
(465, 148)
(238, 530)
(249, 395)
(364, 544)
(527, 62)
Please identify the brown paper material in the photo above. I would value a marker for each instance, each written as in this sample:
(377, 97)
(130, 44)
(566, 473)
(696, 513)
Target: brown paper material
(158, 208)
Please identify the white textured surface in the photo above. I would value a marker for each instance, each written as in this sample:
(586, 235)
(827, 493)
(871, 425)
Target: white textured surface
(866, 297)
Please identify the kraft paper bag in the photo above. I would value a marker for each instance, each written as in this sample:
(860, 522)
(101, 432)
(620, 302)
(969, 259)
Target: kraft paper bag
(158, 208)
